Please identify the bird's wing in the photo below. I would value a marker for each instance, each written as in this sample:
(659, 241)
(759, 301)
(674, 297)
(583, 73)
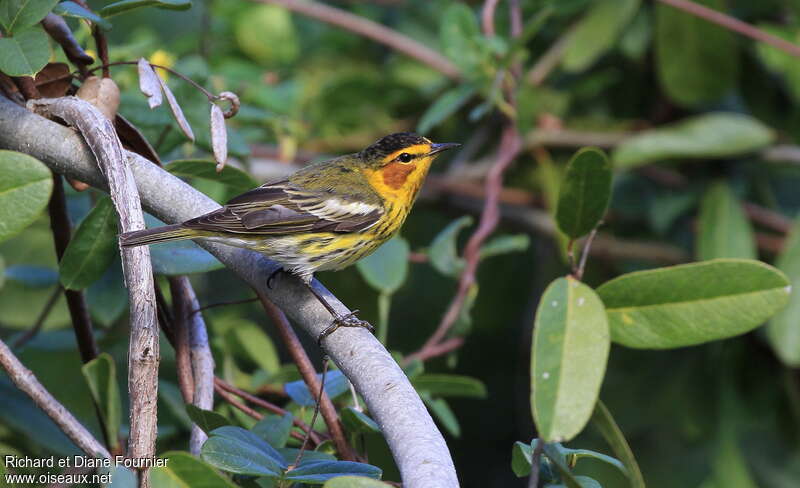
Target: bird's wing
(283, 208)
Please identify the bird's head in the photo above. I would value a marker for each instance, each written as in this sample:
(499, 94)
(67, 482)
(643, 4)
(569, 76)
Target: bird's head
(397, 164)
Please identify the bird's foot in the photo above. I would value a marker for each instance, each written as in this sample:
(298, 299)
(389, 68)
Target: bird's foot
(349, 320)
(273, 275)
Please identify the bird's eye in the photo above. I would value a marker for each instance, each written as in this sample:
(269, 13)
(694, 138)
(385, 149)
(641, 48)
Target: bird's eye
(405, 158)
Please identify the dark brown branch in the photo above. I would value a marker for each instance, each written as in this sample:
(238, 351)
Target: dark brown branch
(76, 303)
(309, 375)
(27, 87)
(60, 32)
(734, 24)
(372, 30)
(181, 312)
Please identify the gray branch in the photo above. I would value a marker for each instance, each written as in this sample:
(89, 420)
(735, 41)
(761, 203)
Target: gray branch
(26, 381)
(143, 354)
(418, 448)
(201, 359)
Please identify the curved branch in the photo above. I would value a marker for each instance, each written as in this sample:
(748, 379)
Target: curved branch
(418, 448)
(372, 30)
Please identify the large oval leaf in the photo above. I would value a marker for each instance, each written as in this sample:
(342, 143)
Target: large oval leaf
(18, 14)
(354, 482)
(92, 249)
(723, 228)
(24, 54)
(240, 451)
(585, 193)
(386, 269)
(692, 303)
(713, 135)
(101, 376)
(597, 32)
(25, 186)
(697, 60)
(570, 350)
(783, 330)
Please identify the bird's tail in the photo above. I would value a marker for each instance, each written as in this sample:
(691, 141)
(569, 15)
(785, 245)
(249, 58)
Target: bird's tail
(159, 234)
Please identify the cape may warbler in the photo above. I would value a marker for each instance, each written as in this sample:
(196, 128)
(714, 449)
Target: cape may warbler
(325, 216)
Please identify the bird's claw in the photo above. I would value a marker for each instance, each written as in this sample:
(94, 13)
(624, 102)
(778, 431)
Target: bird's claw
(349, 320)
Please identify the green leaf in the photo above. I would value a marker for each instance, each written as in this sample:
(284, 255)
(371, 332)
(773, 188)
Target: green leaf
(450, 385)
(183, 470)
(107, 297)
(92, 249)
(443, 253)
(446, 105)
(72, 9)
(358, 422)
(783, 330)
(724, 231)
(505, 244)
(354, 482)
(443, 413)
(16, 15)
(386, 269)
(585, 193)
(697, 61)
(26, 53)
(711, 135)
(267, 34)
(460, 37)
(254, 344)
(127, 5)
(25, 186)
(603, 421)
(318, 472)
(335, 385)
(574, 455)
(780, 61)
(236, 179)
(521, 459)
(101, 376)
(207, 420)
(568, 363)
(692, 303)
(239, 451)
(274, 429)
(597, 32)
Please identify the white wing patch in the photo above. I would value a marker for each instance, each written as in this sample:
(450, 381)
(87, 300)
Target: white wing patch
(334, 209)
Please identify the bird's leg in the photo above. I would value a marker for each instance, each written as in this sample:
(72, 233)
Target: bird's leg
(349, 320)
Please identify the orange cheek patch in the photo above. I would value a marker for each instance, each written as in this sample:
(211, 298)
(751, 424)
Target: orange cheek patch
(396, 174)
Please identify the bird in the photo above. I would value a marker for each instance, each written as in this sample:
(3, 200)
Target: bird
(326, 216)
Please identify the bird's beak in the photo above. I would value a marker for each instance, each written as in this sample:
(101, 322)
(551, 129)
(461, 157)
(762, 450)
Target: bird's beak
(437, 148)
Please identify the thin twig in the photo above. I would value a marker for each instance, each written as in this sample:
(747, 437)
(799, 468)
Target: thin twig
(37, 326)
(487, 17)
(734, 24)
(585, 253)
(510, 146)
(225, 304)
(143, 353)
(372, 30)
(321, 392)
(309, 375)
(57, 28)
(533, 481)
(26, 381)
(316, 437)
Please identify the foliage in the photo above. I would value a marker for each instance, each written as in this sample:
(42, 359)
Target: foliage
(680, 226)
